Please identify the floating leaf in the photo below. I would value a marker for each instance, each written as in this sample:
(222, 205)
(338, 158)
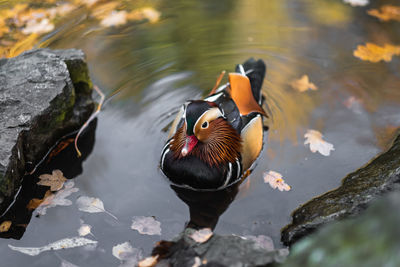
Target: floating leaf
(314, 138)
(55, 180)
(375, 53)
(92, 205)
(4, 226)
(35, 202)
(115, 18)
(303, 84)
(202, 235)
(357, 2)
(60, 244)
(58, 199)
(148, 262)
(146, 225)
(262, 241)
(386, 13)
(127, 254)
(275, 180)
(148, 13)
(84, 230)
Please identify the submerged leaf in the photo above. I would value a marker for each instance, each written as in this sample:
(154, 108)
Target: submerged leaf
(55, 180)
(127, 254)
(386, 13)
(314, 138)
(375, 53)
(303, 84)
(275, 180)
(146, 225)
(4, 226)
(91, 205)
(58, 199)
(357, 2)
(60, 244)
(202, 235)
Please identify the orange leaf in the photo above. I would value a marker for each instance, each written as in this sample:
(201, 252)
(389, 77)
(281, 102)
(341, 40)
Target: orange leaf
(4, 226)
(375, 53)
(386, 13)
(303, 84)
(35, 202)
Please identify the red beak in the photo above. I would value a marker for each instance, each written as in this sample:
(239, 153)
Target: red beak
(191, 141)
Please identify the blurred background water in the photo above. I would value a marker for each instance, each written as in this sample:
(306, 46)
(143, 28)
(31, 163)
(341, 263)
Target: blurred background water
(157, 66)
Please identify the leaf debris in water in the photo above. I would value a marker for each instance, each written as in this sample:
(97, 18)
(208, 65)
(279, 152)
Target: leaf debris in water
(303, 84)
(275, 180)
(60, 244)
(146, 225)
(91, 205)
(4, 226)
(149, 261)
(202, 235)
(55, 180)
(375, 53)
(127, 254)
(314, 138)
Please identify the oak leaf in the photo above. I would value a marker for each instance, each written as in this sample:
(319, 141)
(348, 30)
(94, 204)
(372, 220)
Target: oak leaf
(146, 225)
(275, 180)
(303, 84)
(55, 180)
(375, 53)
(314, 138)
(58, 199)
(386, 13)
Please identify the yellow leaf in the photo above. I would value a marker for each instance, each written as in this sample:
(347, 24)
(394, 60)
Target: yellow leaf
(148, 13)
(4, 226)
(55, 180)
(386, 13)
(35, 202)
(303, 84)
(375, 53)
(115, 18)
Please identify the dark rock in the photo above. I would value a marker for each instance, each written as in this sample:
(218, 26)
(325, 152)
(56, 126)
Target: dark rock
(372, 239)
(44, 95)
(358, 189)
(221, 251)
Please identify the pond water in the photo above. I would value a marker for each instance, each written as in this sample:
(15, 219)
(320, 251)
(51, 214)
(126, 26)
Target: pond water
(155, 67)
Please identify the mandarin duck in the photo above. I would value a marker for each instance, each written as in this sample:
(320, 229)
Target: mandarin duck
(214, 141)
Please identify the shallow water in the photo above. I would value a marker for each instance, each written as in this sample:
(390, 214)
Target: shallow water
(156, 67)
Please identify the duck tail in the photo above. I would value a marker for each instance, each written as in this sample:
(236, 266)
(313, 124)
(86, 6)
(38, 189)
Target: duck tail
(255, 71)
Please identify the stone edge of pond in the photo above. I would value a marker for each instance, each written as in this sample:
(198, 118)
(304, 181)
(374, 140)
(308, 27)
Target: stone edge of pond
(45, 94)
(221, 251)
(358, 190)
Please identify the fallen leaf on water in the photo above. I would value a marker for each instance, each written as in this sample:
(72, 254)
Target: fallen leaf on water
(357, 2)
(84, 230)
(58, 199)
(314, 138)
(303, 84)
(115, 18)
(375, 53)
(202, 235)
(386, 13)
(91, 205)
(38, 26)
(262, 242)
(148, 262)
(4, 226)
(275, 180)
(146, 225)
(60, 244)
(55, 180)
(127, 254)
(35, 202)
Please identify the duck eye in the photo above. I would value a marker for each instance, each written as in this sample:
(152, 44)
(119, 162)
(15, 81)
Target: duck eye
(204, 125)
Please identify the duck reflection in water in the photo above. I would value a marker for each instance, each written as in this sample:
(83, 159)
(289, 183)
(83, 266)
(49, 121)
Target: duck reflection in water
(205, 207)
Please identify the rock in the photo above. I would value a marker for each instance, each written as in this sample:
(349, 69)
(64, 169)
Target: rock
(358, 189)
(372, 239)
(221, 251)
(44, 95)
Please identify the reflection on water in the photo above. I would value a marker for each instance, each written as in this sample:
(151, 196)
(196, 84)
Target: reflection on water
(158, 66)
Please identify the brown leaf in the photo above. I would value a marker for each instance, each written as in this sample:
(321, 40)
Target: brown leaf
(303, 84)
(4, 226)
(35, 202)
(386, 13)
(375, 53)
(55, 180)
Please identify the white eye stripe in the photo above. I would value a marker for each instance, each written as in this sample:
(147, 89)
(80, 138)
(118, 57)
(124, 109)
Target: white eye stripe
(208, 115)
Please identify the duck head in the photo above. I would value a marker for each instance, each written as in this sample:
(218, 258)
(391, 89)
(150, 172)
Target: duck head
(206, 134)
